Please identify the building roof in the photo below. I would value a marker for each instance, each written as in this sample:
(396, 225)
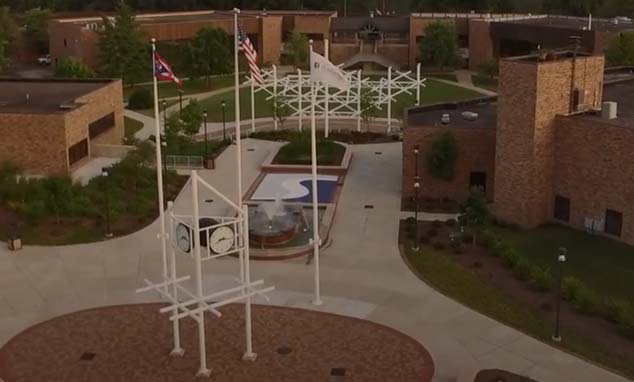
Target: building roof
(619, 90)
(428, 116)
(382, 24)
(574, 23)
(26, 96)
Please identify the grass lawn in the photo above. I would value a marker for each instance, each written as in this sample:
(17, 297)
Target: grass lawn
(150, 112)
(448, 76)
(462, 284)
(603, 264)
(194, 86)
(434, 92)
(485, 82)
(131, 126)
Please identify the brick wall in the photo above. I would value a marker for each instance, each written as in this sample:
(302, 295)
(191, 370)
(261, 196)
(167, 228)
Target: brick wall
(339, 53)
(595, 168)
(313, 24)
(271, 39)
(476, 153)
(481, 45)
(532, 94)
(398, 53)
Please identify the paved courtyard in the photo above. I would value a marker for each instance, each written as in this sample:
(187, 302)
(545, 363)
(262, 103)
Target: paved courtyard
(362, 272)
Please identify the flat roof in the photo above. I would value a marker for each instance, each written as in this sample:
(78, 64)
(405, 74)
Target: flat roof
(28, 96)
(573, 23)
(619, 91)
(427, 116)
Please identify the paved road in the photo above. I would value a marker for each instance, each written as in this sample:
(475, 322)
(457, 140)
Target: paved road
(363, 276)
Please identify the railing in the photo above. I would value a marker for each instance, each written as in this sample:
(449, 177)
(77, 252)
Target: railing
(183, 161)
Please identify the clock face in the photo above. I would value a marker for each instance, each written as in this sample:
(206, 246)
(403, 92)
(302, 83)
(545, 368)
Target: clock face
(183, 238)
(221, 239)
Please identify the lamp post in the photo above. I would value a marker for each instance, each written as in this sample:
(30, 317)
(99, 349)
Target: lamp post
(164, 151)
(164, 103)
(416, 236)
(104, 174)
(224, 120)
(205, 125)
(180, 102)
(561, 260)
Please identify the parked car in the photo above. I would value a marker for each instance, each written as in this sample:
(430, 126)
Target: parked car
(44, 60)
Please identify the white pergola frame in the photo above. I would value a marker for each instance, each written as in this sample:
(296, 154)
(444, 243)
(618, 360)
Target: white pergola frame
(197, 302)
(334, 103)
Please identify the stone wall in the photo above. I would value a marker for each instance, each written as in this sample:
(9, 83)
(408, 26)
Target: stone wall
(476, 153)
(594, 168)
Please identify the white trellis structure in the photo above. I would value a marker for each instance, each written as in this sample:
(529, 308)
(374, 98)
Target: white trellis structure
(294, 91)
(184, 238)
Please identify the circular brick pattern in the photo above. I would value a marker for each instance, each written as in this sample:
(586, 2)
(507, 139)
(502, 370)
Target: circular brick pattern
(133, 342)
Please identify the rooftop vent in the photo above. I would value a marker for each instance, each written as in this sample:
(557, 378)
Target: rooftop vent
(445, 119)
(609, 110)
(469, 115)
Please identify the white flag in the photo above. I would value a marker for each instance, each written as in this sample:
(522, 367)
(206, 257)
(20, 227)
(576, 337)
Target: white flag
(324, 71)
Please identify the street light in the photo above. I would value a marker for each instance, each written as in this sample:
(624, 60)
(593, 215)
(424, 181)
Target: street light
(104, 174)
(180, 101)
(224, 120)
(561, 260)
(205, 125)
(164, 151)
(164, 103)
(417, 238)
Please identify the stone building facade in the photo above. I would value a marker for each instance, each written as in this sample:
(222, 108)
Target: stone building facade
(549, 155)
(51, 127)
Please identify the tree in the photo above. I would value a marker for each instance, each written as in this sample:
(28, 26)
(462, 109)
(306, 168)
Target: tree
(296, 48)
(621, 50)
(5, 61)
(36, 28)
(192, 118)
(57, 195)
(439, 45)
(281, 109)
(124, 53)
(489, 69)
(475, 212)
(8, 28)
(210, 52)
(369, 107)
(71, 68)
(442, 155)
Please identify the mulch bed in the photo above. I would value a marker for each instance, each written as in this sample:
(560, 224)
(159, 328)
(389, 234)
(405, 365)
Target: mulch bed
(490, 268)
(493, 375)
(132, 343)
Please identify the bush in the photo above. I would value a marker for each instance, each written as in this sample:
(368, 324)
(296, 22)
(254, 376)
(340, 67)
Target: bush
(498, 248)
(140, 99)
(522, 270)
(485, 239)
(570, 287)
(540, 279)
(451, 223)
(410, 221)
(586, 301)
(510, 257)
(627, 330)
(439, 245)
(432, 232)
(617, 311)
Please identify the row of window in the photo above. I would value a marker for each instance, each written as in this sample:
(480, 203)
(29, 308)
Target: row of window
(613, 224)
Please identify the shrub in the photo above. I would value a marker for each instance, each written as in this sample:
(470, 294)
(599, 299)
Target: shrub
(140, 99)
(540, 279)
(439, 245)
(451, 223)
(570, 287)
(617, 311)
(586, 301)
(522, 270)
(510, 257)
(410, 221)
(627, 329)
(498, 248)
(432, 232)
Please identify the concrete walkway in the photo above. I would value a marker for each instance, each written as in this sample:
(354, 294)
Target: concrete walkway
(464, 77)
(466, 85)
(363, 275)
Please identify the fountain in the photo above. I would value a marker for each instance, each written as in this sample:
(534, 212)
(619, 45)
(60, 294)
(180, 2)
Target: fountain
(275, 223)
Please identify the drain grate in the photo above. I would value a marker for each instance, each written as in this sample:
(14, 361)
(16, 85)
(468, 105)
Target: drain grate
(378, 153)
(338, 372)
(369, 206)
(284, 350)
(250, 149)
(88, 356)
(209, 200)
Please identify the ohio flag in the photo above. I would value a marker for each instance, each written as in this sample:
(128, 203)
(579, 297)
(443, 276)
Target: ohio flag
(163, 70)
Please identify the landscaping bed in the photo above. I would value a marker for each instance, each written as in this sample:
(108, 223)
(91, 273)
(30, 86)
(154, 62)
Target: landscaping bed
(350, 137)
(495, 279)
(431, 205)
(298, 151)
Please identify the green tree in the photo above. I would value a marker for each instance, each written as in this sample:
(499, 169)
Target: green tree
(57, 196)
(124, 53)
(439, 45)
(369, 107)
(36, 28)
(281, 109)
(210, 52)
(296, 48)
(71, 68)
(192, 118)
(475, 212)
(442, 155)
(489, 68)
(621, 50)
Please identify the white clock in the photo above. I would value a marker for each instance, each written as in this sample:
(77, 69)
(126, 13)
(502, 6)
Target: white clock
(183, 238)
(221, 240)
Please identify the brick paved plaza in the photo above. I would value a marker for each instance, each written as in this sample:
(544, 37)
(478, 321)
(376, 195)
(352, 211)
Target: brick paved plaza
(132, 343)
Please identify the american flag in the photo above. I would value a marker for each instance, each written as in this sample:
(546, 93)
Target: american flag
(252, 56)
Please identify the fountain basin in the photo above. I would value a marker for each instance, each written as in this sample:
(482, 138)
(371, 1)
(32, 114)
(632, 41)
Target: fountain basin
(274, 227)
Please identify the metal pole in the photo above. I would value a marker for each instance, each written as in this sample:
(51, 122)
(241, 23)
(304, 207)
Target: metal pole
(315, 191)
(301, 109)
(359, 100)
(389, 99)
(104, 174)
(418, 84)
(164, 112)
(180, 102)
(177, 350)
(561, 259)
(203, 370)
(205, 122)
(249, 355)
(417, 234)
(326, 94)
(236, 11)
(252, 105)
(224, 121)
(276, 98)
(159, 172)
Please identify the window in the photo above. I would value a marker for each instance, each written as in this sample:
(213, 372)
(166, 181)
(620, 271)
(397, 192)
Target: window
(562, 208)
(101, 125)
(478, 179)
(613, 222)
(77, 151)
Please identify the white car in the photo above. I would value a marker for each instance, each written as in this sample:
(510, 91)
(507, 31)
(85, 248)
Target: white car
(44, 60)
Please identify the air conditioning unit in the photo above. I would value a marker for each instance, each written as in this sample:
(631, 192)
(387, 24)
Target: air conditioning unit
(609, 110)
(469, 115)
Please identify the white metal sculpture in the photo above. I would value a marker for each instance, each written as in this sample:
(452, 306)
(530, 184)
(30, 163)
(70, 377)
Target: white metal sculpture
(293, 89)
(221, 236)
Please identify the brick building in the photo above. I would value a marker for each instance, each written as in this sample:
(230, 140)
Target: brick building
(551, 148)
(52, 127)
(358, 42)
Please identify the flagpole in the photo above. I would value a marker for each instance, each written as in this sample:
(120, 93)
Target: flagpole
(326, 93)
(159, 184)
(236, 11)
(313, 153)
(252, 105)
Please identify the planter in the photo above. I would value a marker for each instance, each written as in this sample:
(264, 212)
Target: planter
(15, 244)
